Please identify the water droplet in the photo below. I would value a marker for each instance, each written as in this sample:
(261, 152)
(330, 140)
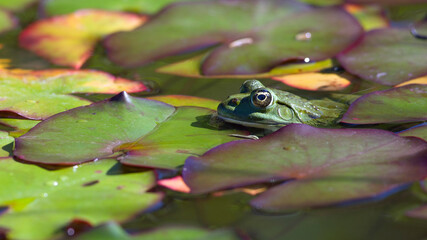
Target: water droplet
(303, 36)
(52, 183)
(306, 60)
(45, 195)
(240, 42)
(96, 159)
(70, 232)
(75, 168)
(382, 74)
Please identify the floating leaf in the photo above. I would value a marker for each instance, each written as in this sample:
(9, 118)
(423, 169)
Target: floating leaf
(388, 56)
(369, 16)
(89, 132)
(69, 40)
(191, 68)
(402, 104)
(7, 21)
(417, 131)
(315, 81)
(420, 80)
(6, 143)
(60, 7)
(40, 94)
(175, 183)
(181, 100)
(16, 5)
(88, 192)
(283, 30)
(184, 134)
(323, 166)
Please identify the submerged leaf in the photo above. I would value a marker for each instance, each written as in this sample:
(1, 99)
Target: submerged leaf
(388, 56)
(402, 104)
(323, 166)
(88, 192)
(85, 133)
(270, 32)
(69, 40)
(40, 94)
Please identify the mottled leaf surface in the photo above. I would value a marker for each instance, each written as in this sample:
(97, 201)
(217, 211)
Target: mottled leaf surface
(89, 132)
(69, 40)
(269, 32)
(186, 133)
(41, 202)
(40, 94)
(323, 166)
(402, 104)
(388, 56)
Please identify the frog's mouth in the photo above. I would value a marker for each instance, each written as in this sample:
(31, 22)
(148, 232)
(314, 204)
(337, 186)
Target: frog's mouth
(265, 125)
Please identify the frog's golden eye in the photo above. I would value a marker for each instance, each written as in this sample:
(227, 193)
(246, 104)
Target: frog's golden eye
(262, 98)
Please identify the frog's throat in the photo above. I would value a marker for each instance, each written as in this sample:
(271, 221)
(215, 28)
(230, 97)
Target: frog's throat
(252, 124)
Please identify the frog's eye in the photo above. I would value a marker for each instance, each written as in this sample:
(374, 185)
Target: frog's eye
(262, 98)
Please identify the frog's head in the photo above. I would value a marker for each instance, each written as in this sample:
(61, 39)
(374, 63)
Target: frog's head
(260, 107)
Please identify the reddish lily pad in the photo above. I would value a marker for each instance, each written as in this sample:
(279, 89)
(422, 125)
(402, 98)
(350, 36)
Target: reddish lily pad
(181, 100)
(282, 31)
(7, 21)
(88, 192)
(402, 104)
(184, 134)
(323, 166)
(388, 56)
(40, 94)
(60, 7)
(85, 133)
(417, 131)
(69, 40)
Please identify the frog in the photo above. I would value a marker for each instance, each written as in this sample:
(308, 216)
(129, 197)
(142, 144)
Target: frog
(258, 106)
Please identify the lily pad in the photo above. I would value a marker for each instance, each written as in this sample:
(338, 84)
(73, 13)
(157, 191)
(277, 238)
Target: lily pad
(16, 5)
(40, 94)
(69, 40)
(388, 56)
(417, 131)
(402, 104)
(282, 31)
(60, 7)
(370, 16)
(6, 143)
(181, 100)
(7, 21)
(184, 134)
(94, 192)
(191, 68)
(322, 166)
(420, 80)
(89, 132)
(315, 81)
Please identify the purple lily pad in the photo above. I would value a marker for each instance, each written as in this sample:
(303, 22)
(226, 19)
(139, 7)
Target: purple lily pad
(323, 166)
(254, 35)
(388, 56)
(402, 104)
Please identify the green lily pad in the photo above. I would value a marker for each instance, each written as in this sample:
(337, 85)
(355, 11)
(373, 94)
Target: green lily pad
(417, 131)
(69, 40)
(322, 166)
(19, 126)
(60, 7)
(402, 104)
(40, 94)
(113, 231)
(89, 132)
(388, 56)
(184, 134)
(282, 31)
(41, 202)
(16, 5)
(6, 142)
(7, 21)
(182, 100)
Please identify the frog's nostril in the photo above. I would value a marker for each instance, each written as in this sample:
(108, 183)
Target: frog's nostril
(234, 102)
